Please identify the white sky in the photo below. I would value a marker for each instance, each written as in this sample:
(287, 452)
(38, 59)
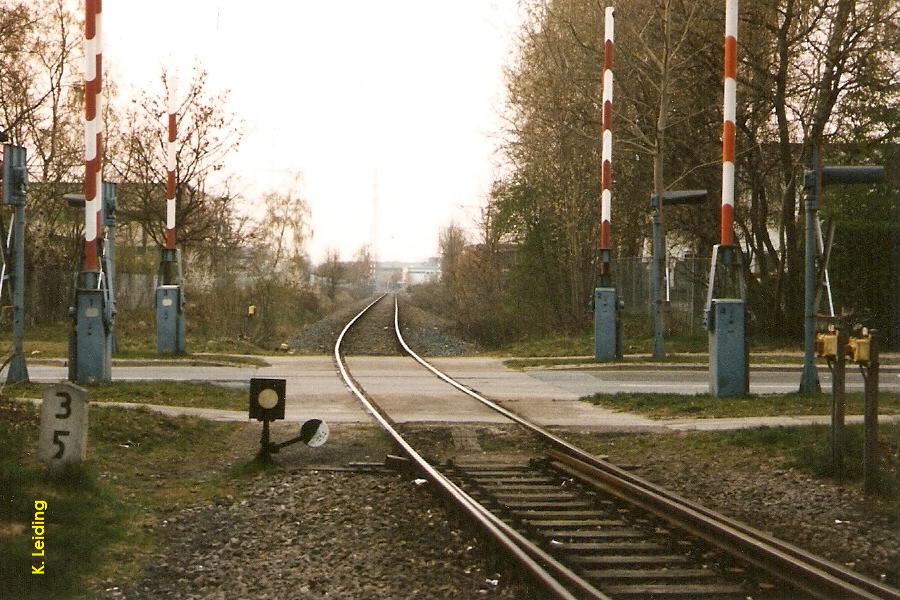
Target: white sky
(341, 90)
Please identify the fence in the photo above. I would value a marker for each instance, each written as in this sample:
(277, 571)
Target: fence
(217, 305)
(688, 281)
(50, 293)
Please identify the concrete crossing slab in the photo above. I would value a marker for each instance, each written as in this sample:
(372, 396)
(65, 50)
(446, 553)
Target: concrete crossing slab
(549, 397)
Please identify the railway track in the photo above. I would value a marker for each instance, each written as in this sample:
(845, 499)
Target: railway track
(581, 527)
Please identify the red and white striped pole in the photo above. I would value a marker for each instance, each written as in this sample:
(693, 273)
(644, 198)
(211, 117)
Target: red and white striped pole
(93, 131)
(170, 168)
(731, 31)
(606, 152)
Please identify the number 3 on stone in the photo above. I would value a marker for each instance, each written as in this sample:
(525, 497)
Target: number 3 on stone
(66, 405)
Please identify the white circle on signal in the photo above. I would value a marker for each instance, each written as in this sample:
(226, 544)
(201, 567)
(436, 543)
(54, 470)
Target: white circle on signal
(267, 398)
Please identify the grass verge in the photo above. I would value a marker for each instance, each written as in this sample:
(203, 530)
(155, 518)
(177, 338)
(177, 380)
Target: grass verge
(705, 406)
(166, 393)
(101, 518)
(671, 358)
(135, 340)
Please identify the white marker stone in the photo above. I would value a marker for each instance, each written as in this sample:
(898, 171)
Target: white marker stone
(64, 425)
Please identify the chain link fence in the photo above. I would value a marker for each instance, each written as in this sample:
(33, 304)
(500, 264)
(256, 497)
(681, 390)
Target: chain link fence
(217, 305)
(50, 293)
(688, 279)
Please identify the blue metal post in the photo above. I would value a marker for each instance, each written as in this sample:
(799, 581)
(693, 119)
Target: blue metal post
(93, 361)
(656, 275)
(726, 322)
(607, 311)
(93, 313)
(109, 260)
(727, 349)
(15, 183)
(809, 380)
(170, 330)
(607, 327)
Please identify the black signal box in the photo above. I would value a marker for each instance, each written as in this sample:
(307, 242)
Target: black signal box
(267, 399)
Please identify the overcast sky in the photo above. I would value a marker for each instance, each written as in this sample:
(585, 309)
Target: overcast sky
(406, 91)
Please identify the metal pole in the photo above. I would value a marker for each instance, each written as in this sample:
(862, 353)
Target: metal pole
(109, 267)
(15, 182)
(18, 371)
(264, 447)
(93, 133)
(726, 309)
(838, 402)
(90, 351)
(729, 112)
(809, 382)
(606, 151)
(607, 320)
(659, 349)
(870, 448)
(169, 292)
(170, 168)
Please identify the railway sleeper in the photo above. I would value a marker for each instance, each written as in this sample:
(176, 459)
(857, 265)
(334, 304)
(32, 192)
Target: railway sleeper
(687, 590)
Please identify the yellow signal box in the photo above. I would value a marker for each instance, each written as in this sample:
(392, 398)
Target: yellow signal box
(858, 349)
(826, 344)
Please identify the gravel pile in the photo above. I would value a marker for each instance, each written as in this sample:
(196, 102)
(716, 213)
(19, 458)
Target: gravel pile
(431, 335)
(319, 337)
(315, 534)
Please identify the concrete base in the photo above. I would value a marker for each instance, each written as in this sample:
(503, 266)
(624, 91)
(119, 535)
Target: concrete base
(169, 320)
(728, 360)
(18, 369)
(607, 326)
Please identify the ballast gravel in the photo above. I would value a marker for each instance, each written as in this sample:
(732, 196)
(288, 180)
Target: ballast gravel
(322, 534)
(429, 334)
(837, 522)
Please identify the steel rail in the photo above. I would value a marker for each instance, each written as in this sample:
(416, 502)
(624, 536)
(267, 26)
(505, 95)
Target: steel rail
(770, 554)
(545, 569)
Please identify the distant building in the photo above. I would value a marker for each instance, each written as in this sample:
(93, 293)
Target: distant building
(396, 275)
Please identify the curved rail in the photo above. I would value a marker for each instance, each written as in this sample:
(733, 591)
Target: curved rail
(813, 574)
(555, 577)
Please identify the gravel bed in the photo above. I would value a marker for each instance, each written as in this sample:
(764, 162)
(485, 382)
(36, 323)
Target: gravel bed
(425, 332)
(431, 335)
(837, 522)
(348, 534)
(319, 337)
(374, 333)
(316, 534)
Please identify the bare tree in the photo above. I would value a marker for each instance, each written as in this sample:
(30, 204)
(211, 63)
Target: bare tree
(206, 133)
(333, 271)
(451, 243)
(284, 231)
